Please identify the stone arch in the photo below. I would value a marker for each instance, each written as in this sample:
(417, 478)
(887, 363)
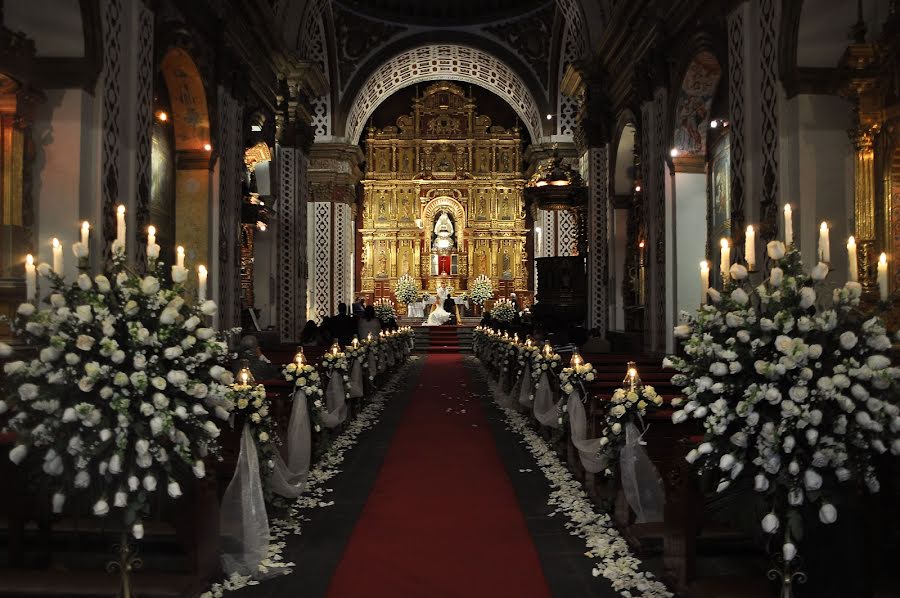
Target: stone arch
(622, 158)
(445, 202)
(449, 61)
(187, 98)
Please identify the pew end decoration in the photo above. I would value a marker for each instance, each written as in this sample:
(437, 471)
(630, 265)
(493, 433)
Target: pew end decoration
(799, 396)
(120, 399)
(503, 311)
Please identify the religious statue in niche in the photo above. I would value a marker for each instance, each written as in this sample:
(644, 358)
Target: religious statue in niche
(483, 162)
(383, 211)
(482, 263)
(382, 263)
(482, 208)
(404, 262)
(443, 162)
(505, 208)
(406, 162)
(507, 265)
(504, 162)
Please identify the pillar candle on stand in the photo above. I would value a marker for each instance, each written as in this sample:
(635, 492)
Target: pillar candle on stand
(704, 281)
(30, 278)
(179, 257)
(883, 277)
(824, 244)
(85, 232)
(57, 257)
(750, 248)
(120, 226)
(788, 226)
(853, 266)
(725, 265)
(152, 247)
(201, 283)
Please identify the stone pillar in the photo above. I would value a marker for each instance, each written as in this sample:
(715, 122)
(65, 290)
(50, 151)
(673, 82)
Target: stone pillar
(595, 170)
(292, 262)
(334, 173)
(225, 281)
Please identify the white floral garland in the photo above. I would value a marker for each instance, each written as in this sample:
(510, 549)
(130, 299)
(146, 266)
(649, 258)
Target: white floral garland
(316, 492)
(615, 561)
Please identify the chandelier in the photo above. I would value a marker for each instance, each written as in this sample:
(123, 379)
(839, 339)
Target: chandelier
(555, 185)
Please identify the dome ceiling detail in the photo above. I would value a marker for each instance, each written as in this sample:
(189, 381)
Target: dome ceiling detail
(444, 14)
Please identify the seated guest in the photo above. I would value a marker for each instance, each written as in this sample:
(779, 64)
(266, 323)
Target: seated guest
(309, 336)
(342, 326)
(368, 324)
(259, 364)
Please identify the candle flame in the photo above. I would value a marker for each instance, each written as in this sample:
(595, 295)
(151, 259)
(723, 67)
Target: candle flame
(29, 259)
(851, 241)
(632, 372)
(55, 242)
(121, 209)
(151, 230)
(750, 230)
(824, 227)
(882, 259)
(180, 250)
(85, 225)
(787, 208)
(201, 270)
(704, 265)
(724, 243)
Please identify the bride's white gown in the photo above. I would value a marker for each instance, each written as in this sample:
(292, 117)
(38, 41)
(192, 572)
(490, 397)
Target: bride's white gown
(439, 315)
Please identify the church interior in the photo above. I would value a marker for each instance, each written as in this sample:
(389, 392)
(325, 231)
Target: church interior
(475, 298)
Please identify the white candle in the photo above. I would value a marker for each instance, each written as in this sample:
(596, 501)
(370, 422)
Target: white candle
(57, 257)
(30, 278)
(853, 266)
(788, 226)
(883, 277)
(725, 265)
(704, 281)
(85, 232)
(120, 226)
(151, 236)
(201, 284)
(179, 257)
(824, 244)
(750, 248)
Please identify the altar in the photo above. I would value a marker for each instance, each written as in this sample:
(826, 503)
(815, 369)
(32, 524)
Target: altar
(443, 200)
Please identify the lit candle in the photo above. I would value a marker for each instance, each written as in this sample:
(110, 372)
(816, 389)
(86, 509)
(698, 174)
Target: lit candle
(750, 248)
(120, 227)
(85, 232)
(30, 278)
(853, 266)
(179, 257)
(355, 342)
(548, 350)
(788, 226)
(201, 283)
(576, 359)
(299, 357)
(725, 265)
(57, 257)
(883, 277)
(151, 237)
(369, 337)
(704, 281)
(824, 244)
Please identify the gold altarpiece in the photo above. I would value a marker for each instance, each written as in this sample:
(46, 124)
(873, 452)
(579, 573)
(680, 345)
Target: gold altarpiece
(443, 198)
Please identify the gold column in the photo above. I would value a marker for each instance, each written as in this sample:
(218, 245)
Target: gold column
(864, 206)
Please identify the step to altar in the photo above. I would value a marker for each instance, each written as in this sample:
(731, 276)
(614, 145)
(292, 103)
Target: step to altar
(443, 339)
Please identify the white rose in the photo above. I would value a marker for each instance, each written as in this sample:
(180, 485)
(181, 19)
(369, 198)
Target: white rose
(692, 456)
(84, 282)
(726, 462)
(205, 334)
(59, 500)
(49, 354)
(814, 351)
(617, 428)
(137, 530)
(770, 523)
(789, 551)
(156, 426)
(149, 285)
(738, 272)
(209, 307)
(878, 362)
(714, 295)
(199, 469)
(776, 277)
(718, 368)
(807, 297)
(819, 272)
(84, 313)
(174, 489)
(740, 296)
(26, 309)
(158, 382)
(179, 275)
(101, 508)
(775, 250)
(812, 480)
(84, 342)
(149, 483)
(211, 429)
(121, 499)
(82, 479)
(743, 336)
(784, 344)
(160, 401)
(173, 352)
(44, 269)
(679, 417)
(191, 323)
(760, 483)
(103, 284)
(827, 514)
(682, 331)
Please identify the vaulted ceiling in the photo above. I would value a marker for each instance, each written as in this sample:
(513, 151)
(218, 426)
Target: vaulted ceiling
(368, 49)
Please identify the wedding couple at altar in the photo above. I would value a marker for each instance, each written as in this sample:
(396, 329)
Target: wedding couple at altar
(444, 308)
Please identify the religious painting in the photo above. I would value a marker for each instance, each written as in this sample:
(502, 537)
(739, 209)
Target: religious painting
(719, 205)
(694, 103)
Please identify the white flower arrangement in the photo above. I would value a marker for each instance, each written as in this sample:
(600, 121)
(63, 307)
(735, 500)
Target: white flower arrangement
(407, 290)
(625, 406)
(122, 398)
(335, 363)
(544, 362)
(482, 290)
(384, 309)
(503, 310)
(797, 396)
(253, 406)
(306, 378)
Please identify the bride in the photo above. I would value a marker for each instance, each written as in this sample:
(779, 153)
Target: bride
(439, 315)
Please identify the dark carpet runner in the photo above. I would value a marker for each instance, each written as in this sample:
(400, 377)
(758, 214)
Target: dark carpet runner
(442, 519)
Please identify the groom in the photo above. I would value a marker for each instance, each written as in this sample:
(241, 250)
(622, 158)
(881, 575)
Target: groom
(450, 307)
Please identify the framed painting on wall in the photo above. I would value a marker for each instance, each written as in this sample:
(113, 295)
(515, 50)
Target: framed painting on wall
(719, 203)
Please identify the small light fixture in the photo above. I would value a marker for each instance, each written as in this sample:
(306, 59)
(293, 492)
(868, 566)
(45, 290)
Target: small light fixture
(161, 116)
(641, 244)
(538, 229)
(632, 380)
(207, 147)
(549, 117)
(576, 359)
(713, 124)
(335, 348)
(548, 350)
(674, 152)
(261, 226)
(255, 128)
(299, 357)
(637, 188)
(245, 377)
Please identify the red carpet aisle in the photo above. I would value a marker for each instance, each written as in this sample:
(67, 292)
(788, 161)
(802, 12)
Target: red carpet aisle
(442, 519)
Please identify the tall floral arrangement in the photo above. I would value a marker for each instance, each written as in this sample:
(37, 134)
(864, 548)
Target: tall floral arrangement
(406, 291)
(253, 405)
(482, 290)
(797, 395)
(122, 396)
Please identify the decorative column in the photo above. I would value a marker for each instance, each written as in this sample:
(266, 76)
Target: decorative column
(225, 267)
(293, 196)
(334, 173)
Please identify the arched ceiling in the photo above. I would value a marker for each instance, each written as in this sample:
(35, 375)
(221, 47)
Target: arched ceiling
(516, 48)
